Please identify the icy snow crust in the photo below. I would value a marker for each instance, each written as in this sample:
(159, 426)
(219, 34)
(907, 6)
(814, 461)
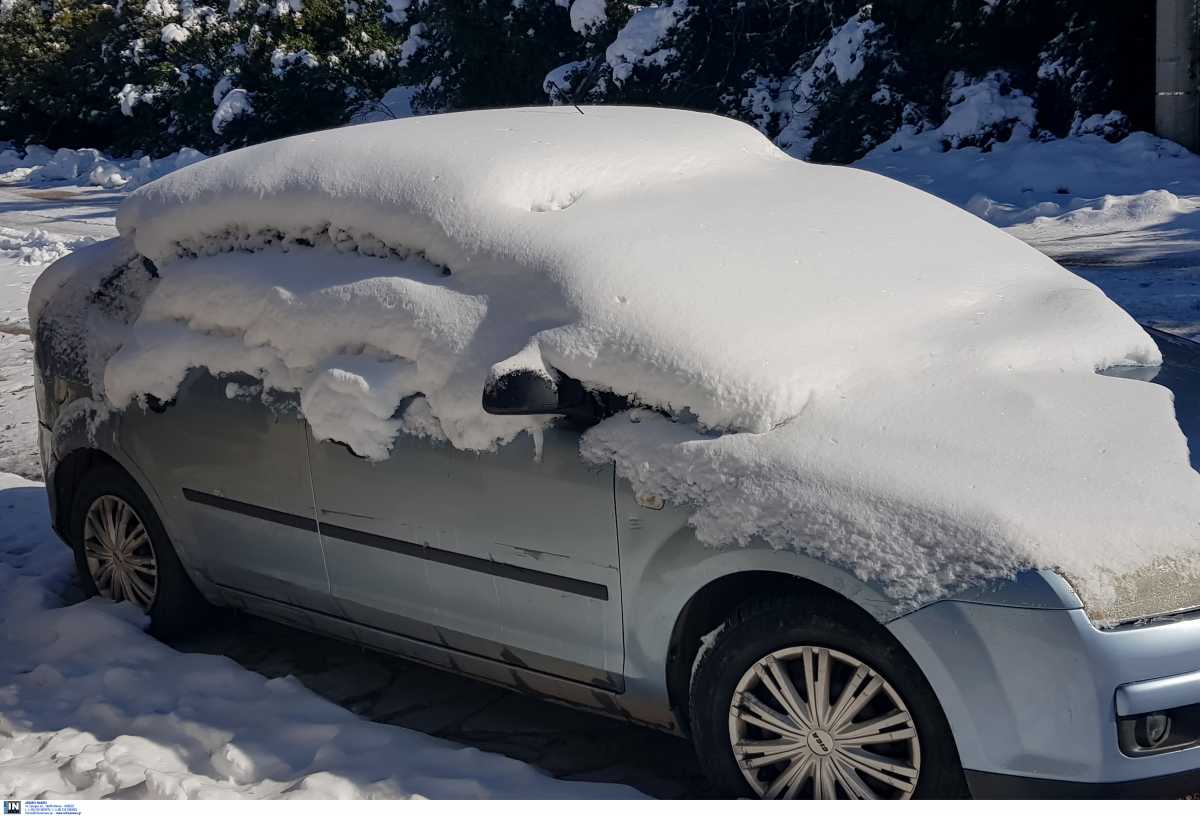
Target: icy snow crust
(856, 370)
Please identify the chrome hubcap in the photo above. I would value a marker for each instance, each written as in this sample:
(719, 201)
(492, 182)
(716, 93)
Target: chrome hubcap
(119, 555)
(812, 722)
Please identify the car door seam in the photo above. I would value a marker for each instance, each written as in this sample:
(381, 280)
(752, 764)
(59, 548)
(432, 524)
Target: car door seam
(316, 510)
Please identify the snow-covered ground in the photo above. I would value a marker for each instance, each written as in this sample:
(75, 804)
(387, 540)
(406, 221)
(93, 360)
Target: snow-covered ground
(40, 221)
(85, 720)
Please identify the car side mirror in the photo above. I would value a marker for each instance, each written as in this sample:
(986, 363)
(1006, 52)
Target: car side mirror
(525, 392)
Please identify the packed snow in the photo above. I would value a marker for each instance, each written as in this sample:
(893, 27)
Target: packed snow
(91, 706)
(862, 373)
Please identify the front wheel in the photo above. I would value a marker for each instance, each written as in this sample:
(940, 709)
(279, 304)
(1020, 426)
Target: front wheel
(122, 552)
(794, 701)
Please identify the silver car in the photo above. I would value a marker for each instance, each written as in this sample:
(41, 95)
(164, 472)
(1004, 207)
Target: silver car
(550, 575)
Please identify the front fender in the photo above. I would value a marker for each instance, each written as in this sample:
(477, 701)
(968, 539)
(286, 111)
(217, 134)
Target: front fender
(663, 566)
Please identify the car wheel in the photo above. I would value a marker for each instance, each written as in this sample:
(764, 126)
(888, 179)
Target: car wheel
(122, 552)
(792, 700)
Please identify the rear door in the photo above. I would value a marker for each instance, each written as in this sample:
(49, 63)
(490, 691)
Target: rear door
(511, 555)
(233, 472)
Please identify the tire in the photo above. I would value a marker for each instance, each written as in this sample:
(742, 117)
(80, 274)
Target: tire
(174, 603)
(793, 633)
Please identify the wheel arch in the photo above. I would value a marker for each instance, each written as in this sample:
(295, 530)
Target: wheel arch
(72, 465)
(68, 475)
(710, 605)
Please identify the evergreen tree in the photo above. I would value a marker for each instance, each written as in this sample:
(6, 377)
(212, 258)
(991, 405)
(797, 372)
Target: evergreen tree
(487, 53)
(56, 87)
(825, 78)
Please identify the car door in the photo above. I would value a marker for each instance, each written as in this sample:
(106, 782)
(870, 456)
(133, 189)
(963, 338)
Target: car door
(233, 474)
(510, 556)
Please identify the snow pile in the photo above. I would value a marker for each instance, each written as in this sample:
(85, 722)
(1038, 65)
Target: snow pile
(37, 246)
(852, 369)
(87, 166)
(1074, 198)
(92, 707)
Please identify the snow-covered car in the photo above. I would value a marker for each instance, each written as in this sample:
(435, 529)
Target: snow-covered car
(627, 409)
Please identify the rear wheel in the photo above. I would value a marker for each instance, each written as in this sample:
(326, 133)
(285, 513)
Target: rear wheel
(794, 701)
(122, 552)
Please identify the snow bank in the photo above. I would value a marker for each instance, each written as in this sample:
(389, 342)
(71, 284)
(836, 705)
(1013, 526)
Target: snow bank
(1081, 199)
(854, 369)
(93, 707)
(87, 166)
(37, 246)
(1016, 179)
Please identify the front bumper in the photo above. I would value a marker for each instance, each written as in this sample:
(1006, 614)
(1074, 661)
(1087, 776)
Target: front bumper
(1003, 786)
(1032, 696)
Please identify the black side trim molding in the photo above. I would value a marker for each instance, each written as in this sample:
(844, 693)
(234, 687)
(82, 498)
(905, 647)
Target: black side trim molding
(499, 569)
(252, 510)
(549, 580)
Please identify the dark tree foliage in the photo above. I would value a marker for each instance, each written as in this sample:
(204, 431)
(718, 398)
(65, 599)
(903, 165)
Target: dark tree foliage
(1077, 58)
(489, 53)
(722, 45)
(66, 65)
(55, 74)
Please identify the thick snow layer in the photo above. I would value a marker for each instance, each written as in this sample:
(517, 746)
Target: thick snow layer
(91, 707)
(856, 370)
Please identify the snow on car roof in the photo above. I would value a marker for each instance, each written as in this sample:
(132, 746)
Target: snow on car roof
(870, 375)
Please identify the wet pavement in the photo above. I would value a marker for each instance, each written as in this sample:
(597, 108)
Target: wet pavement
(567, 744)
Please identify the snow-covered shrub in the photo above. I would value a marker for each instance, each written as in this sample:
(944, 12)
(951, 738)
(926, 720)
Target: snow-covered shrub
(152, 75)
(1042, 66)
(831, 80)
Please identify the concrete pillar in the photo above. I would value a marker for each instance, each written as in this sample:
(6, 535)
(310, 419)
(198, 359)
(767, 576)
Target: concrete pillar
(1176, 108)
